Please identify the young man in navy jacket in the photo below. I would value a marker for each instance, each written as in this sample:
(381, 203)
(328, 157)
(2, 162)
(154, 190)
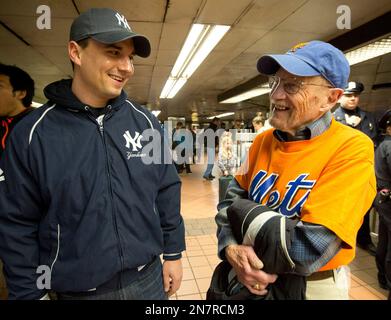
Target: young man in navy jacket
(82, 213)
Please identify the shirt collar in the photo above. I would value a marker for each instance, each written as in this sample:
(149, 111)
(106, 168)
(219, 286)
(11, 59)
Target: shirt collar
(312, 130)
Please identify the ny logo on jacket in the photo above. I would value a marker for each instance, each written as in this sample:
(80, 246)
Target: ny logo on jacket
(135, 142)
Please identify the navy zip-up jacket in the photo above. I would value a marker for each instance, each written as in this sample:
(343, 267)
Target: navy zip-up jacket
(76, 196)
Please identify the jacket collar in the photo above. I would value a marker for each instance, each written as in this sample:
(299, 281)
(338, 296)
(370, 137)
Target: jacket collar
(60, 93)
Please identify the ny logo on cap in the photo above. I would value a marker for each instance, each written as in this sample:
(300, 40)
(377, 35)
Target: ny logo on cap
(298, 46)
(122, 21)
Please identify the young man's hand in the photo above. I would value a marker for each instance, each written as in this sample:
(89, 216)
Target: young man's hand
(172, 276)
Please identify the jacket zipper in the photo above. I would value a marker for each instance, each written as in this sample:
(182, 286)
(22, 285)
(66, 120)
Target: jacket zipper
(100, 121)
(283, 242)
(58, 248)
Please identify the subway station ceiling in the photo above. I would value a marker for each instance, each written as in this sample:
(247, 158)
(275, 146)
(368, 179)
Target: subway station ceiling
(257, 27)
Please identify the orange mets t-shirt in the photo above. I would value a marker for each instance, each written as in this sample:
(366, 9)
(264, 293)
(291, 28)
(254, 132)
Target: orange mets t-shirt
(327, 180)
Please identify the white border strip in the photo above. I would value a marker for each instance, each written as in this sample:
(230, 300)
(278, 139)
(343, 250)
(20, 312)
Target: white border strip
(150, 123)
(283, 242)
(256, 225)
(245, 218)
(38, 121)
(58, 247)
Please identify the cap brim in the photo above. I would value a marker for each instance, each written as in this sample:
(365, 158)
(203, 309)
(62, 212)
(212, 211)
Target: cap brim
(142, 46)
(269, 64)
(351, 91)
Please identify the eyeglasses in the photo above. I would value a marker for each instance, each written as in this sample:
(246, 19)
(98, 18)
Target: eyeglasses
(290, 85)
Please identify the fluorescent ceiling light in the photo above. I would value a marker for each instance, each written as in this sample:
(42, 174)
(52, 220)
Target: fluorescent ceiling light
(369, 51)
(213, 36)
(178, 84)
(200, 41)
(167, 87)
(222, 115)
(248, 94)
(156, 112)
(186, 52)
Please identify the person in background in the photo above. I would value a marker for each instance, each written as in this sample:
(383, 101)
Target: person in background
(310, 180)
(176, 141)
(224, 126)
(81, 214)
(351, 114)
(238, 125)
(212, 142)
(382, 204)
(258, 124)
(226, 159)
(348, 112)
(193, 131)
(16, 96)
(183, 147)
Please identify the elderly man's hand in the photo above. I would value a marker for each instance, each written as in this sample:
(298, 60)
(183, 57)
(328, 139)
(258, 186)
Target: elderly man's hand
(247, 267)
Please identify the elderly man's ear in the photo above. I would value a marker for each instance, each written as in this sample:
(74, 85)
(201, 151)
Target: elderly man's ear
(332, 99)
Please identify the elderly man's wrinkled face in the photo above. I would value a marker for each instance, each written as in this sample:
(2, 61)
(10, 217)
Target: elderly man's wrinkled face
(293, 111)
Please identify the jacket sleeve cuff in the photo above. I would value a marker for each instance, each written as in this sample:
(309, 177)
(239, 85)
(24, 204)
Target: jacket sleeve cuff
(174, 242)
(172, 256)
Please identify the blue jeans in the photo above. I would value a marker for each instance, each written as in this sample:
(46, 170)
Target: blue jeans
(210, 152)
(148, 286)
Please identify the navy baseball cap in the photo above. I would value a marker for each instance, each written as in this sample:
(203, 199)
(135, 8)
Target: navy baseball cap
(307, 59)
(354, 87)
(107, 26)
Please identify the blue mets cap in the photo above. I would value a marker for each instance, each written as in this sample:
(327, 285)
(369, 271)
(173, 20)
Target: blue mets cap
(307, 59)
